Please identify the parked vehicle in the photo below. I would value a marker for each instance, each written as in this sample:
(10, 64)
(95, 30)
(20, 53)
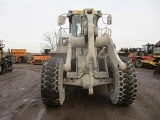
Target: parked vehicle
(5, 61)
(86, 59)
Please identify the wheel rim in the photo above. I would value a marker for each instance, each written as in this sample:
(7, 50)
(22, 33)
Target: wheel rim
(138, 63)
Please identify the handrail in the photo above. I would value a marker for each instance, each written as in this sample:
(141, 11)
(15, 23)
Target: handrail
(105, 29)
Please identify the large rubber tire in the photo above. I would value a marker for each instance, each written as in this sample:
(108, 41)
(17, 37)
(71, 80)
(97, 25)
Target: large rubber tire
(1, 69)
(138, 63)
(52, 88)
(123, 90)
(9, 64)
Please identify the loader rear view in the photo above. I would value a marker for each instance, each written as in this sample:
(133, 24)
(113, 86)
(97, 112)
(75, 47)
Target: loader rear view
(87, 59)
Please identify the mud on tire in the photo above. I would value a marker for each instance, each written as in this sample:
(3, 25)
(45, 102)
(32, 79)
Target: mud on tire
(124, 89)
(52, 89)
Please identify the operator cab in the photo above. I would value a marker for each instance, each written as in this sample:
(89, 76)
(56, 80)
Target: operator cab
(78, 22)
(148, 48)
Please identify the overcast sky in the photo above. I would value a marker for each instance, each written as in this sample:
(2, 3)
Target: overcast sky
(23, 22)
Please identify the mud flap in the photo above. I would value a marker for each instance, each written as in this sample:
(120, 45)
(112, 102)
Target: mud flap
(157, 70)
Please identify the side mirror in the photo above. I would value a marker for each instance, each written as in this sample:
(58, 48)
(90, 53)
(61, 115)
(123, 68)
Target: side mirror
(109, 20)
(61, 20)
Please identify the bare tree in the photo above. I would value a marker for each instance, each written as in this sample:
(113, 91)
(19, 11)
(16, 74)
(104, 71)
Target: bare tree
(51, 41)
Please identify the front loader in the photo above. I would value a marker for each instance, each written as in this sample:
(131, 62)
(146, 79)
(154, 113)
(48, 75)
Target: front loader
(86, 59)
(5, 62)
(154, 60)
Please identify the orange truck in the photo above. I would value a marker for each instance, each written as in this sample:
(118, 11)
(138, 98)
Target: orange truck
(19, 55)
(39, 59)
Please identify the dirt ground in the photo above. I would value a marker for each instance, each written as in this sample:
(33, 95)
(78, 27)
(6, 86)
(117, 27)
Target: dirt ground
(20, 99)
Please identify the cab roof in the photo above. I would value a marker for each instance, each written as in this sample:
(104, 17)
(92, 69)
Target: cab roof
(78, 12)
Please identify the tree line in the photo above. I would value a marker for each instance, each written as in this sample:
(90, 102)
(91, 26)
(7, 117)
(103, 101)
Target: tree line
(128, 50)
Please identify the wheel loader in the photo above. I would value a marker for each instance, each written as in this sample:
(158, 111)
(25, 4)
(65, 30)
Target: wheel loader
(5, 62)
(86, 59)
(142, 54)
(153, 61)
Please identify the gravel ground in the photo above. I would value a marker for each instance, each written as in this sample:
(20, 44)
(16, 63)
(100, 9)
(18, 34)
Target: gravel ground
(20, 99)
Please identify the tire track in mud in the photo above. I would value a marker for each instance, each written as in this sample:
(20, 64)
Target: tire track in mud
(78, 105)
(11, 75)
(40, 113)
(148, 96)
(33, 109)
(146, 110)
(36, 68)
(27, 97)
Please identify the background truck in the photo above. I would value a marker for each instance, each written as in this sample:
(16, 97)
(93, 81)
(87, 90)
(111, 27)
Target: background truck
(40, 59)
(19, 55)
(87, 59)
